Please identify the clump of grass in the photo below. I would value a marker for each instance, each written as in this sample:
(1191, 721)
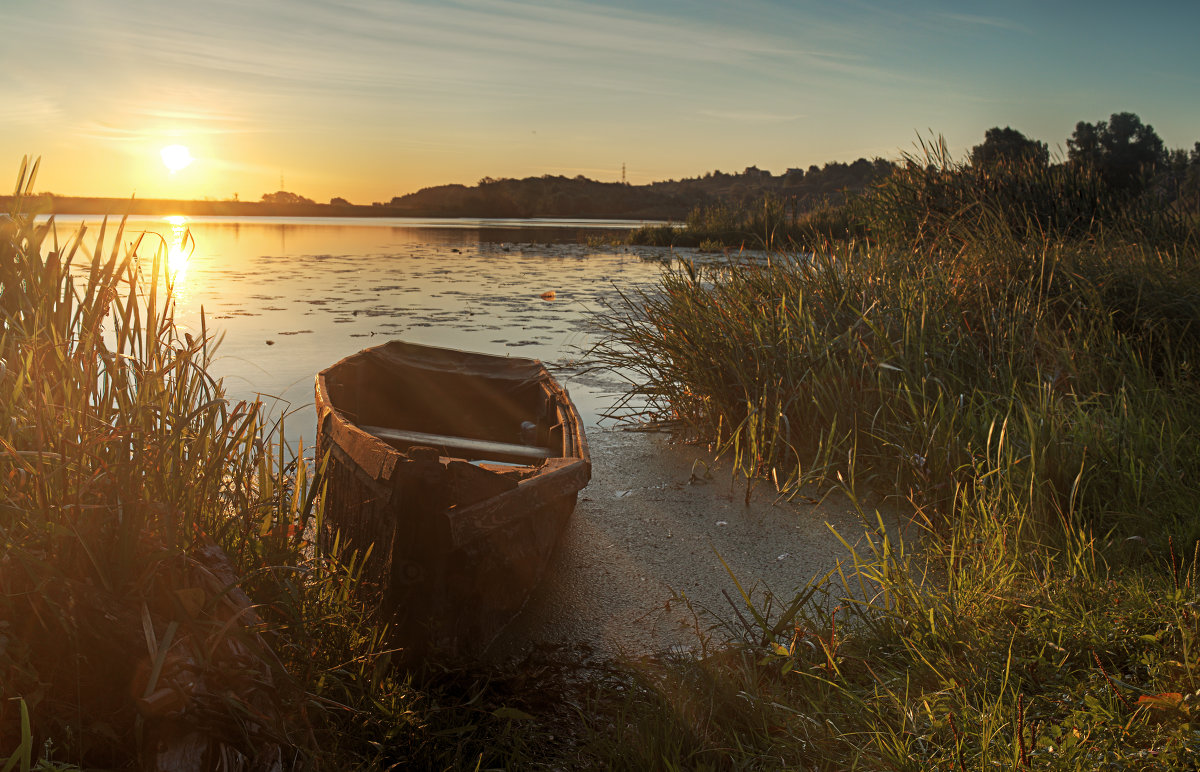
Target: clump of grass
(605, 240)
(1025, 389)
(764, 225)
(656, 235)
(124, 464)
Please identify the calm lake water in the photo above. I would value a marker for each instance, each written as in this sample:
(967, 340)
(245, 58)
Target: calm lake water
(292, 296)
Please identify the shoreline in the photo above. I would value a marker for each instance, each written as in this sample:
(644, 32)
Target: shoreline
(85, 205)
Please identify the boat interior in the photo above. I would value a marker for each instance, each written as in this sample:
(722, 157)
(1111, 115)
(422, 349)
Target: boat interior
(506, 417)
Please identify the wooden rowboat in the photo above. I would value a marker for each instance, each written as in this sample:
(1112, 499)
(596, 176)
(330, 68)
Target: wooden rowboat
(459, 471)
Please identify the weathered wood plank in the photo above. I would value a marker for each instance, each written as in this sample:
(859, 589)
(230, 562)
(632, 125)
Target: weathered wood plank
(562, 477)
(476, 448)
(469, 484)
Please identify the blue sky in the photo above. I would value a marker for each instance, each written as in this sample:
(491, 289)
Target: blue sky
(368, 99)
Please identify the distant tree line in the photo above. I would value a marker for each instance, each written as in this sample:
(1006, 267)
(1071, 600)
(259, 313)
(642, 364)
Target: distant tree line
(547, 196)
(285, 198)
(798, 190)
(557, 196)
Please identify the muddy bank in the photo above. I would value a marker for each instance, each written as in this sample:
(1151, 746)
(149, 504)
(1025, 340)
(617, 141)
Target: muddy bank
(638, 570)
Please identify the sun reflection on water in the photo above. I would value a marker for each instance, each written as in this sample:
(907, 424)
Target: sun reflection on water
(180, 247)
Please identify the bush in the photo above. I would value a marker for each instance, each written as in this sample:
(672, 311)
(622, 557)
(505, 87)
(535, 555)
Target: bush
(931, 197)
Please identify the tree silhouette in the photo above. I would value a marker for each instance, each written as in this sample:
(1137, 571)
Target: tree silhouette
(1123, 149)
(1010, 146)
(285, 197)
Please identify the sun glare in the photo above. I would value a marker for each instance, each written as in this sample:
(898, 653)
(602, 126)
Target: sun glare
(179, 250)
(176, 157)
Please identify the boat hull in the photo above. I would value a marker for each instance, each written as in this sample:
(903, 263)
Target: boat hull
(453, 475)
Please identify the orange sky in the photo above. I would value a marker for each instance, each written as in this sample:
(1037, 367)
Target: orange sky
(368, 99)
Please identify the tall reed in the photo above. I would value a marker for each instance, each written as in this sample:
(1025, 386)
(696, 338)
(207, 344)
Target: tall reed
(1020, 380)
(931, 196)
(122, 460)
(159, 584)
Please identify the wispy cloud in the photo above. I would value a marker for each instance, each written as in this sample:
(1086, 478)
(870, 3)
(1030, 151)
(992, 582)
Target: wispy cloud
(986, 21)
(750, 116)
(28, 109)
(134, 122)
(487, 49)
(104, 132)
(203, 121)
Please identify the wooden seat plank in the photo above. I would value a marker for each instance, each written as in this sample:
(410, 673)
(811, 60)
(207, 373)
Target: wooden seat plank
(480, 448)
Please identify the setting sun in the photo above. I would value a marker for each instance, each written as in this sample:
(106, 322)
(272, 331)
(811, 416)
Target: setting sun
(176, 157)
